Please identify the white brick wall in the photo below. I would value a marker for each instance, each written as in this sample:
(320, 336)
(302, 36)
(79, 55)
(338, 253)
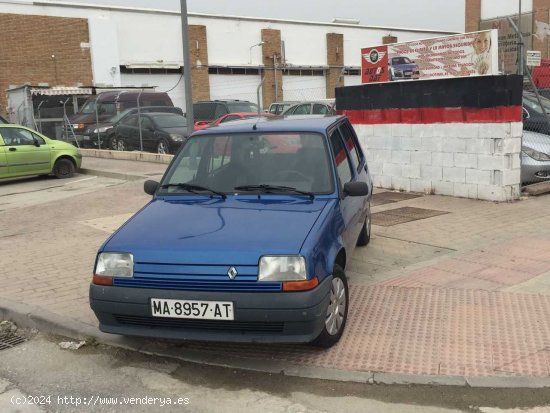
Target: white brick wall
(479, 161)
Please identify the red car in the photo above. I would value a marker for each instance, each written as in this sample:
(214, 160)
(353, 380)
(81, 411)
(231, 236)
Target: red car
(228, 118)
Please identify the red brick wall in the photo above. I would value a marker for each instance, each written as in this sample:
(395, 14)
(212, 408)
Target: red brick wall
(473, 15)
(198, 54)
(335, 61)
(541, 14)
(271, 47)
(27, 44)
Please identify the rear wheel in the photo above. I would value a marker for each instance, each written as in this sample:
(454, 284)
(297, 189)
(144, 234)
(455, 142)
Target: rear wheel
(364, 236)
(163, 147)
(337, 310)
(63, 168)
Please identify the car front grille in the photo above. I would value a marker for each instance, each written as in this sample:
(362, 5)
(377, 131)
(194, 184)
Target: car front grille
(234, 326)
(192, 277)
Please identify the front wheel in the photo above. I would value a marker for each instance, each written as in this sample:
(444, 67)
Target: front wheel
(163, 147)
(120, 144)
(337, 310)
(63, 168)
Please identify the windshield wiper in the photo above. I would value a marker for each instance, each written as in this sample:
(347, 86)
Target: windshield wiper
(193, 188)
(273, 188)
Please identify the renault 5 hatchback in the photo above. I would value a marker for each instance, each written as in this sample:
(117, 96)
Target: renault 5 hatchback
(242, 241)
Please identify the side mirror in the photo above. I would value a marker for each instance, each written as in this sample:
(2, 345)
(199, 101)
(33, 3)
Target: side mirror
(36, 143)
(150, 187)
(356, 189)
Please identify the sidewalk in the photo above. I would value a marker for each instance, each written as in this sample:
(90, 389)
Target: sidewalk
(461, 297)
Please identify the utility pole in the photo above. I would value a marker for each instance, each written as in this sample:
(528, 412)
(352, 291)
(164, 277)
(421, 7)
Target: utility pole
(187, 68)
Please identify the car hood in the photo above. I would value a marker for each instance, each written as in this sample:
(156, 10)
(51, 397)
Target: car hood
(180, 130)
(201, 230)
(538, 141)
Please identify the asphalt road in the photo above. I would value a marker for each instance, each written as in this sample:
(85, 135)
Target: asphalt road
(98, 378)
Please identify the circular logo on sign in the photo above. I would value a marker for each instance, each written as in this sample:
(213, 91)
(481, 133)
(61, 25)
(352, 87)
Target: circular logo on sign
(374, 56)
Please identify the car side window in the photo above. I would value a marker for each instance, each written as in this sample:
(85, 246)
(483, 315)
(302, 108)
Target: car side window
(130, 121)
(319, 109)
(351, 145)
(220, 111)
(146, 123)
(17, 136)
(39, 139)
(302, 110)
(340, 156)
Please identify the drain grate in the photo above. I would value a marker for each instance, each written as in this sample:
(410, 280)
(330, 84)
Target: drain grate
(402, 215)
(383, 198)
(10, 341)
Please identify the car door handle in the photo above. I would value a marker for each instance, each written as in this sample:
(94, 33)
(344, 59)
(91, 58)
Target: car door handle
(13, 149)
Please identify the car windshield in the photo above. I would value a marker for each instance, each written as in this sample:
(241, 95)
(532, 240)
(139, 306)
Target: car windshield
(89, 107)
(401, 61)
(242, 107)
(266, 163)
(530, 100)
(170, 121)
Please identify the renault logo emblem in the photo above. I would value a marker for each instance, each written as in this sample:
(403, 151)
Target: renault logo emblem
(232, 273)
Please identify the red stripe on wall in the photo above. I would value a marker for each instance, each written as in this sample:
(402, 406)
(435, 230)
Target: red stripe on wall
(500, 114)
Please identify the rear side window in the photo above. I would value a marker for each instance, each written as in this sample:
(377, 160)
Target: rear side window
(220, 111)
(204, 111)
(341, 160)
(319, 109)
(351, 145)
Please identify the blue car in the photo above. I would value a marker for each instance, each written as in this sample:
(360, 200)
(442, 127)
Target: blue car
(246, 238)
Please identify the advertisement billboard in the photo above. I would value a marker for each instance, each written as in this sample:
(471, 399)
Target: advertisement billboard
(469, 54)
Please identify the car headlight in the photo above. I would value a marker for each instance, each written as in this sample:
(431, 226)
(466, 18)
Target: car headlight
(115, 264)
(103, 129)
(177, 138)
(536, 155)
(282, 268)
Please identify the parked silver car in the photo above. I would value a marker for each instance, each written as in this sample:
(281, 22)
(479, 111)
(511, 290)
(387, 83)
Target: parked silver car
(535, 157)
(325, 107)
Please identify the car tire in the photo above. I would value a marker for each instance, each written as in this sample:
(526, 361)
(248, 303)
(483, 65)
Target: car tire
(121, 144)
(112, 143)
(163, 147)
(364, 236)
(63, 168)
(334, 326)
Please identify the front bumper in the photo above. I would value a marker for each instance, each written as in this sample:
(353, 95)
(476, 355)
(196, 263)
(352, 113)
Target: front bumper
(291, 317)
(533, 171)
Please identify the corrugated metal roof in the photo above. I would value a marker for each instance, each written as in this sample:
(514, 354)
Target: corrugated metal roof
(61, 90)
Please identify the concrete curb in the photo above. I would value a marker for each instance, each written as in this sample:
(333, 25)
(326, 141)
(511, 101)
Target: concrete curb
(127, 155)
(114, 175)
(27, 316)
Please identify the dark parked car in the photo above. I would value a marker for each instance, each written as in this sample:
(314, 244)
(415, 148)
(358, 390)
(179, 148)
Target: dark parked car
(160, 132)
(107, 104)
(241, 242)
(206, 111)
(105, 130)
(401, 68)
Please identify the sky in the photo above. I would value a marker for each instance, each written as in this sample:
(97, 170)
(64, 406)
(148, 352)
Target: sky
(419, 14)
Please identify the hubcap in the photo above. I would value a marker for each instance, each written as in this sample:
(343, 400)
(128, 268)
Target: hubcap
(120, 145)
(337, 307)
(162, 148)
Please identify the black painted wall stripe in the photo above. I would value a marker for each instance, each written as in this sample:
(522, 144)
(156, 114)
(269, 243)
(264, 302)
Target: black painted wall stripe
(464, 92)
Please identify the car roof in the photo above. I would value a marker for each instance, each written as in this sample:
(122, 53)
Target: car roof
(305, 123)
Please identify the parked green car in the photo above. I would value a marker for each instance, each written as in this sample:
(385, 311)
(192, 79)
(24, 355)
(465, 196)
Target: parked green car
(24, 151)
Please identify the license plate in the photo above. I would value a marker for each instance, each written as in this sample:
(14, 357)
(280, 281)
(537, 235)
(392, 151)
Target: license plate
(408, 73)
(205, 310)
